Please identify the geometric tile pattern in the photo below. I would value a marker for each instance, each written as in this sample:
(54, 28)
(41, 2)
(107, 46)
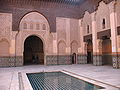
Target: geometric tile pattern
(97, 60)
(58, 60)
(81, 59)
(115, 60)
(119, 61)
(11, 61)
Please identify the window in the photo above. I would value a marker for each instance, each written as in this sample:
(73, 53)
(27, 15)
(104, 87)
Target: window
(25, 26)
(44, 27)
(103, 24)
(37, 26)
(88, 29)
(31, 26)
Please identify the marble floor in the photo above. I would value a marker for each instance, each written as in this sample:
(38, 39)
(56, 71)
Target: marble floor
(105, 74)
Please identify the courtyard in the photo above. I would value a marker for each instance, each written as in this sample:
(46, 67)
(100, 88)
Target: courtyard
(9, 77)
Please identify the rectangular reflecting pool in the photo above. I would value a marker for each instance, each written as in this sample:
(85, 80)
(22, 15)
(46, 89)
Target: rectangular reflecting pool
(58, 81)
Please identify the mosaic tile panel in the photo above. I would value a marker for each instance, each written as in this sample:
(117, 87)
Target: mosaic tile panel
(51, 60)
(119, 60)
(64, 60)
(11, 61)
(115, 60)
(58, 60)
(97, 60)
(82, 59)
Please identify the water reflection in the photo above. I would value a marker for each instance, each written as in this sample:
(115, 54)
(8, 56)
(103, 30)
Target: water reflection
(58, 81)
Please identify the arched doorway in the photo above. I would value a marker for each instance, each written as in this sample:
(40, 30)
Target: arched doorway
(89, 52)
(74, 51)
(74, 58)
(33, 51)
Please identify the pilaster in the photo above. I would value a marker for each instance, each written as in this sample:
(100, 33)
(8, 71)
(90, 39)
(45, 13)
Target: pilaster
(82, 57)
(113, 26)
(55, 43)
(97, 56)
(68, 48)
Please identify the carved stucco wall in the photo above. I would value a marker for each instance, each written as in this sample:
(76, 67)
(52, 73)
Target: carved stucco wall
(5, 33)
(74, 35)
(5, 25)
(4, 47)
(102, 13)
(68, 31)
(117, 8)
(61, 28)
(61, 47)
(118, 12)
(87, 21)
(74, 47)
(34, 18)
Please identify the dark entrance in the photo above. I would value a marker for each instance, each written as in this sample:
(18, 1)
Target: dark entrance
(33, 51)
(74, 58)
(106, 51)
(89, 52)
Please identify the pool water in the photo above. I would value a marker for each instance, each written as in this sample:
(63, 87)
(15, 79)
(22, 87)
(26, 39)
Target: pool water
(58, 81)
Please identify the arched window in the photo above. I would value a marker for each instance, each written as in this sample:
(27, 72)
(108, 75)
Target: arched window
(88, 29)
(31, 26)
(44, 27)
(24, 25)
(37, 26)
(103, 23)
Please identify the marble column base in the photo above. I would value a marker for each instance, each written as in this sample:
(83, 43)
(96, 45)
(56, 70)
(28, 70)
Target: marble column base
(97, 60)
(81, 59)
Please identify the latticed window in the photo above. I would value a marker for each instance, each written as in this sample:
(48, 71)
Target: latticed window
(37, 26)
(88, 29)
(31, 26)
(44, 27)
(103, 24)
(24, 25)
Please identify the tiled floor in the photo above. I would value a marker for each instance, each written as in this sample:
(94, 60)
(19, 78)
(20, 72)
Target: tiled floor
(9, 76)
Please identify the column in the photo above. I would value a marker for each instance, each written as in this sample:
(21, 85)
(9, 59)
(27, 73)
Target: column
(19, 48)
(68, 47)
(97, 59)
(82, 57)
(99, 52)
(55, 43)
(113, 34)
(54, 58)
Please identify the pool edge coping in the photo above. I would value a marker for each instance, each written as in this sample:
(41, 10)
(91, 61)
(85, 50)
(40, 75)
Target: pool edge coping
(27, 85)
